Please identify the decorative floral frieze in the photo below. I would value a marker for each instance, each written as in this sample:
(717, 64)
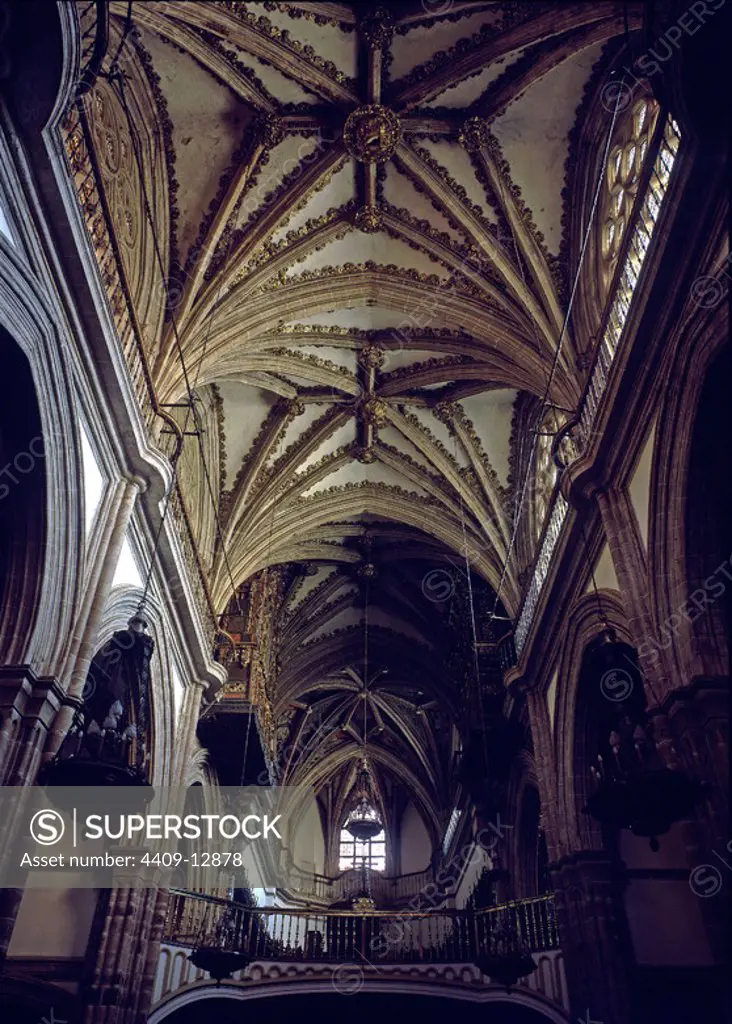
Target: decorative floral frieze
(443, 13)
(232, 58)
(365, 485)
(436, 363)
(458, 189)
(377, 28)
(459, 415)
(224, 184)
(527, 218)
(166, 127)
(295, 12)
(281, 411)
(413, 464)
(319, 470)
(240, 10)
(510, 15)
(307, 359)
(306, 437)
(346, 269)
(434, 441)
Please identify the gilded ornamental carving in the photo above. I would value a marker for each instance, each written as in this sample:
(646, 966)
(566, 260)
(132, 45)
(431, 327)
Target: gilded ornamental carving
(372, 133)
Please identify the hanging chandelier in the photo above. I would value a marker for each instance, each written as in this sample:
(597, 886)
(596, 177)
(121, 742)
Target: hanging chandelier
(503, 956)
(634, 790)
(364, 821)
(216, 950)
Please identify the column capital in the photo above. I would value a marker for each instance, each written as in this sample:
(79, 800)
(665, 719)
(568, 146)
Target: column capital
(138, 482)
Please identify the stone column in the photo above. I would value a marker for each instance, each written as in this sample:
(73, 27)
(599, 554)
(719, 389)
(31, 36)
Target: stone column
(36, 713)
(149, 967)
(118, 956)
(125, 945)
(594, 937)
(629, 561)
(28, 706)
(691, 723)
(185, 731)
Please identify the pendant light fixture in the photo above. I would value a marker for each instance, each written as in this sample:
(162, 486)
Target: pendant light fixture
(502, 954)
(364, 821)
(216, 951)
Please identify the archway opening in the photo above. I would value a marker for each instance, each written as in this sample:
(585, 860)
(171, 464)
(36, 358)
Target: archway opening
(360, 1008)
(22, 497)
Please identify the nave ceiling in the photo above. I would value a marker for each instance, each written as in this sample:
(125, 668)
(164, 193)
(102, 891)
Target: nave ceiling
(363, 215)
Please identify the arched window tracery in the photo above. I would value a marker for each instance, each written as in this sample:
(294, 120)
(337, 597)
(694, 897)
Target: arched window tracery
(622, 177)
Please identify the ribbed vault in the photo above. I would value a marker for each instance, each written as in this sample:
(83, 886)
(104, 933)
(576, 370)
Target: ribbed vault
(366, 281)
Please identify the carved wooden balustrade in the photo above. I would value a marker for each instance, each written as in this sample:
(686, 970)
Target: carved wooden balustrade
(422, 936)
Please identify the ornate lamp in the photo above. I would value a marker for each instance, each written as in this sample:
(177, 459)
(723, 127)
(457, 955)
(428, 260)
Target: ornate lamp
(364, 821)
(504, 956)
(634, 790)
(216, 952)
(107, 742)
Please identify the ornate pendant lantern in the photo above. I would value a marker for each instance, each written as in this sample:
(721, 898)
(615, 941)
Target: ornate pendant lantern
(504, 956)
(216, 950)
(107, 742)
(364, 821)
(634, 790)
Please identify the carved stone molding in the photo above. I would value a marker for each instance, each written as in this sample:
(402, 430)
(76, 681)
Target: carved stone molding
(474, 134)
(377, 28)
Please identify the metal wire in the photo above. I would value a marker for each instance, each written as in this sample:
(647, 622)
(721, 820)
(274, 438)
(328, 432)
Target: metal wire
(555, 362)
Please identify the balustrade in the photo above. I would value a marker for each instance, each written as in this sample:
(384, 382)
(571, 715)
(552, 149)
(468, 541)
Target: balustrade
(440, 936)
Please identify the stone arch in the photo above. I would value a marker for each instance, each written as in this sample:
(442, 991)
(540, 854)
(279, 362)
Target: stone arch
(43, 615)
(678, 565)
(524, 798)
(575, 830)
(394, 504)
(524, 1003)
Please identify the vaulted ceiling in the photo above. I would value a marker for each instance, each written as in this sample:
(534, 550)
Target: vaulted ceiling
(367, 262)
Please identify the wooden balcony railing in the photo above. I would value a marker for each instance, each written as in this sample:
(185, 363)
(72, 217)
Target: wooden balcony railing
(444, 936)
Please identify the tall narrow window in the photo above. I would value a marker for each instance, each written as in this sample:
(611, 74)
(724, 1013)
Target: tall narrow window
(623, 172)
